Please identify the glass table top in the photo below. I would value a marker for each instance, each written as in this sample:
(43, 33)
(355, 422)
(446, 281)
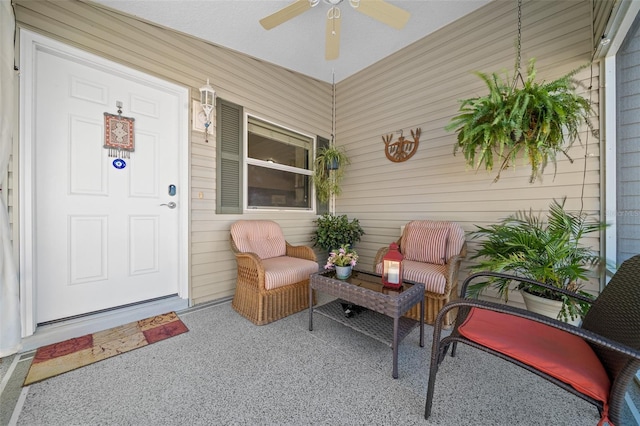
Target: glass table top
(369, 280)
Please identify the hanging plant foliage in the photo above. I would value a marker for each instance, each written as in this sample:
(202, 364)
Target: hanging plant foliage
(535, 122)
(328, 172)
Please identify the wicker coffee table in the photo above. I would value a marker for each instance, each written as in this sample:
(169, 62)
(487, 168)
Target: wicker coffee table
(382, 320)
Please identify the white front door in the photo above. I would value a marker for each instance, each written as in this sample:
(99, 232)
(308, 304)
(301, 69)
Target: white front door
(103, 234)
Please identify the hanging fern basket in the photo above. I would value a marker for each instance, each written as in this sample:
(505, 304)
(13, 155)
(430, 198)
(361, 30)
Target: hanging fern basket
(535, 122)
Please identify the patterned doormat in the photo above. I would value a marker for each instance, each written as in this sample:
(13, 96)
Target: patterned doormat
(62, 357)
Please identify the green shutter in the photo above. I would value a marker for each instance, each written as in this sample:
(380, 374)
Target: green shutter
(322, 207)
(229, 158)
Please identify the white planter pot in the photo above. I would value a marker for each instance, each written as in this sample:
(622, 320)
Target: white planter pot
(343, 272)
(546, 307)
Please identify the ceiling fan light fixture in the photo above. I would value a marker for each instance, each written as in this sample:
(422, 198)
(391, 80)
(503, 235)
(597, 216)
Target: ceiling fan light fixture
(333, 13)
(379, 10)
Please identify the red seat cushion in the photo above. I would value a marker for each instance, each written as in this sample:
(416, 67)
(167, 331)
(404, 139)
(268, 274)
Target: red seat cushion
(561, 355)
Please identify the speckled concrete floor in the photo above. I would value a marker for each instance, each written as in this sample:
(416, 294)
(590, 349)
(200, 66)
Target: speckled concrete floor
(227, 371)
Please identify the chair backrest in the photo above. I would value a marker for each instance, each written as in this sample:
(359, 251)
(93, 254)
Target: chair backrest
(616, 314)
(431, 241)
(262, 237)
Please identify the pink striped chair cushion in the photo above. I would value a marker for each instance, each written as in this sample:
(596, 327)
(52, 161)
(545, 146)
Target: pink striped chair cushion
(262, 237)
(285, 270)
(433, 276)
(425, 244)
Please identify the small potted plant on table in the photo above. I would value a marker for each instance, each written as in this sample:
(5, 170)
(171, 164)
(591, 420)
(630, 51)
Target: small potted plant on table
(342, 260)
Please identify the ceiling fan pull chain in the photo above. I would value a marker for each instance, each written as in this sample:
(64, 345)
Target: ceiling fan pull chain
(332, 15)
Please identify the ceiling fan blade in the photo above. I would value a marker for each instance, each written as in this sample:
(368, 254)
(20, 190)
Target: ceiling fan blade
(384, 12)
(332, 39)
(284, 14)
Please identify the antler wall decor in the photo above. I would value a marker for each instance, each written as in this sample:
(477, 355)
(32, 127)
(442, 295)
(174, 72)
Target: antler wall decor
(402, 149)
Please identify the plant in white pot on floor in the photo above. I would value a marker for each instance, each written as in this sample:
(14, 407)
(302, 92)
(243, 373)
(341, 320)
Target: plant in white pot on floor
(549, 251)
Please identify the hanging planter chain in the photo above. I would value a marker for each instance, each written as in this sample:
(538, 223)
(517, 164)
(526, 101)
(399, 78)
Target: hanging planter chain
(518, 73)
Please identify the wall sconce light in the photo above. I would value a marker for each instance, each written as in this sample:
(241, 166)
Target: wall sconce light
(208, 102)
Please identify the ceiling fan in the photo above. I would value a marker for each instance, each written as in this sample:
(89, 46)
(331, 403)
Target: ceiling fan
(376, 9)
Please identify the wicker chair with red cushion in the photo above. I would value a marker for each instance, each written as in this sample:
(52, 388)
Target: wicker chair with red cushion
(433, 251)
(596, 361)
(273, 276)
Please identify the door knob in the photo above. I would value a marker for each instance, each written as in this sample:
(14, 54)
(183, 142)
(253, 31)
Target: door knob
(170, 204)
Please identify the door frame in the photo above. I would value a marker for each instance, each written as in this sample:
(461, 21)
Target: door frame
(30, 43)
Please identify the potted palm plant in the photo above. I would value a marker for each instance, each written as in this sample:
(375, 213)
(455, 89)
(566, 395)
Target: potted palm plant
(329, 169)
(549, 251)
(536, 121)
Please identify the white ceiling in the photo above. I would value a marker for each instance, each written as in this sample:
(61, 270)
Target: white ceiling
(298, 44)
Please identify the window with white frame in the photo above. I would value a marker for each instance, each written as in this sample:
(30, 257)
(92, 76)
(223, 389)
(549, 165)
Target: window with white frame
(262, 165)
(278, 167)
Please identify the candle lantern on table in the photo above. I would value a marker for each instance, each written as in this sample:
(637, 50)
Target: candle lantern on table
(392, 267)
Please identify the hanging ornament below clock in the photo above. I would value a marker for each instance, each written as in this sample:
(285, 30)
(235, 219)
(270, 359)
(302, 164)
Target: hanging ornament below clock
(119, 163)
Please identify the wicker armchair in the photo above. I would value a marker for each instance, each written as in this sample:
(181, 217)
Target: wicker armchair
(433, 252)
(595, 362)
(273, 276)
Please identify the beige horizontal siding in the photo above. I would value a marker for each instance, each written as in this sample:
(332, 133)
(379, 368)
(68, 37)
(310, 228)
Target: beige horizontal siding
(420, 86)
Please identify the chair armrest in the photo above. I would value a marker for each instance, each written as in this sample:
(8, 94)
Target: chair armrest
(382, 251)
(522, 313)
(250, 270)
(452, 267)
(379, 255)
(467, 281)
(302, 252)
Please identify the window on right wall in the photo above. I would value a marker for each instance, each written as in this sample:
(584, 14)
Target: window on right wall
(623, 189)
